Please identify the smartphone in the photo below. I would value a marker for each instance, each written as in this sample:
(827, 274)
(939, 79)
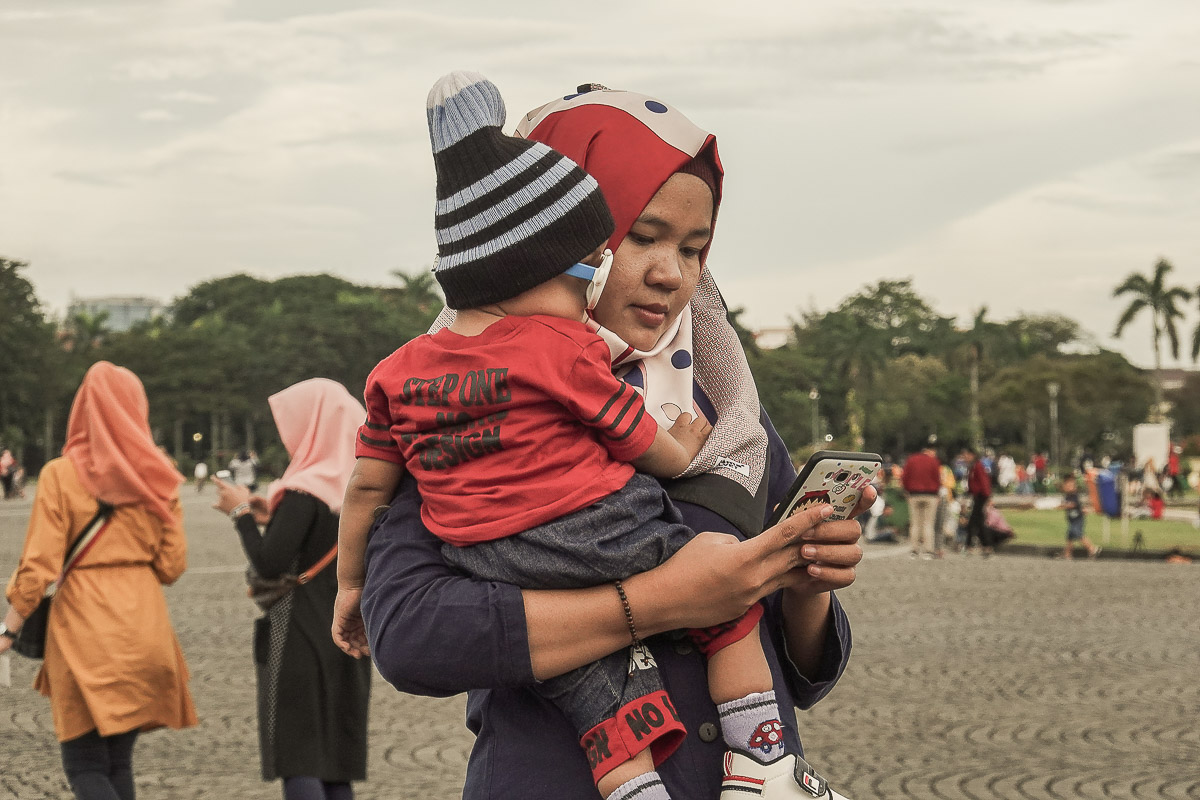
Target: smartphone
(223, 474)
(829, 476)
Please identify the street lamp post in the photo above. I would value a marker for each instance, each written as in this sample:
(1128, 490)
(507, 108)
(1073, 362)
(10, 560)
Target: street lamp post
(1052, 388)
(814, 396)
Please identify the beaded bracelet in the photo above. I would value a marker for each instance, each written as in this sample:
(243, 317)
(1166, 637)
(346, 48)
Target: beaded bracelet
(238, 510)
(628, 614)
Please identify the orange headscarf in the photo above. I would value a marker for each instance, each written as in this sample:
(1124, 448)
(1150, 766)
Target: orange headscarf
(109, 442)
(318, 421)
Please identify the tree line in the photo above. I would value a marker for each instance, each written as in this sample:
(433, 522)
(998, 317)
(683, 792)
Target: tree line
(887, 370)
(210, 363)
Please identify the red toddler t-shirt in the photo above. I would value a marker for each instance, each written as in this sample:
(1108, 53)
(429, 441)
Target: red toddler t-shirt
(506, 430)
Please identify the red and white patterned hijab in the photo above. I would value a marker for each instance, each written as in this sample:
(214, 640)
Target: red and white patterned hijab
(631, 144)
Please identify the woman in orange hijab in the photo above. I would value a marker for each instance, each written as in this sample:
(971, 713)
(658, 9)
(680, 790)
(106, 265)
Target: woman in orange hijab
(113, 666)
(312, 697)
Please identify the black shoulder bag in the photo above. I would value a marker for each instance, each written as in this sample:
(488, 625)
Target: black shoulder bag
(31, 639)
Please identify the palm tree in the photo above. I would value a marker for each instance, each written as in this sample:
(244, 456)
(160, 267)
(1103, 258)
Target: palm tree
(975, 337)
(1153, 294)
(1196, 335)
(420, 289)
(857, 352)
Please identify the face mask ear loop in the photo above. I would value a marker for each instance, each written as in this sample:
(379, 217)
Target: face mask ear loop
(598, 280)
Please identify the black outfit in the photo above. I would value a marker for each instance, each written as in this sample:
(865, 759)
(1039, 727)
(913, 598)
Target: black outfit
(975, 527)
(100, 767)
(312, 697)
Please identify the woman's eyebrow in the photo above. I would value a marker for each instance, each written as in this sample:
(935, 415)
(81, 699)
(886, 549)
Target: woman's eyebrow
(659, 222)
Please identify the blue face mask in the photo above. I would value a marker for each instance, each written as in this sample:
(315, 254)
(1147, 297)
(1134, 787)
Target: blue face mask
(595, 275)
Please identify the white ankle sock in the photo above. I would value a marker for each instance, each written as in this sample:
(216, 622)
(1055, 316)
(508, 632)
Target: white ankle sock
(647, 786)
(752, 726)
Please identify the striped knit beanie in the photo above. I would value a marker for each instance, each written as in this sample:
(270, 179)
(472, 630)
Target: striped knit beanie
(511, 213)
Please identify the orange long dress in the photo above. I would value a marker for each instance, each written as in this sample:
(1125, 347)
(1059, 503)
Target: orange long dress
(112, 661)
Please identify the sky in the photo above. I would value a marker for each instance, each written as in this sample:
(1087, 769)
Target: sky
(1023, 155)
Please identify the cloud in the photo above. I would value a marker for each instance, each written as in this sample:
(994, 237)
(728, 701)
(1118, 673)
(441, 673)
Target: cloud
(183, 96)
(157, 115)
(1175, 165)
(910, 44)
(89, 178)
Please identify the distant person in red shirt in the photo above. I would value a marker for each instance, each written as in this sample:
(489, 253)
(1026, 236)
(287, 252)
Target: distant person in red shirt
(979, 484)
(921, 479)
(1152, 506)
(1175, 489)
(1039, 473)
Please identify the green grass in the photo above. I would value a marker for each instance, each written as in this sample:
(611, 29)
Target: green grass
(1050, 527)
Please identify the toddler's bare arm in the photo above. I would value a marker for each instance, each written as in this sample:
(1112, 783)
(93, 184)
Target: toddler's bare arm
(674, 449)
(372, 483)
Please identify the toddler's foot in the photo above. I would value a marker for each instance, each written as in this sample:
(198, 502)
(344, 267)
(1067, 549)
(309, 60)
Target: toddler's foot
(786, 778)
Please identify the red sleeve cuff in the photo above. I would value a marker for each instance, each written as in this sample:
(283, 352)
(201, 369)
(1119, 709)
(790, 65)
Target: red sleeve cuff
(636, 443)
(371, 443)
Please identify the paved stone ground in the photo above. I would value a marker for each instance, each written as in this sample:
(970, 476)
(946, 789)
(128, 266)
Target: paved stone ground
(1006, 678)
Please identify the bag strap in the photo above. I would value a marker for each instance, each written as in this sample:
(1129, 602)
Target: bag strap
(311, 572)
(83, 544)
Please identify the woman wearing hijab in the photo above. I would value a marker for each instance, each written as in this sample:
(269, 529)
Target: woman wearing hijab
(113, 666)
(668, 334)
(312, 698)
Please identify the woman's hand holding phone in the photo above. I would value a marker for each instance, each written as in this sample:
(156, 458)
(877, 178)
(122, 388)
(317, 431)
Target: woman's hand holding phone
(229, 495)
(829, 551)
(716, 577)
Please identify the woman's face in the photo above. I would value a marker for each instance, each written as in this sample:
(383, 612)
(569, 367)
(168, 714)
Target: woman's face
(657, 265)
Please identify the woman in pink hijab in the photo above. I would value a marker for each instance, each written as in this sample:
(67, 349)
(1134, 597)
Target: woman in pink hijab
(312, 698)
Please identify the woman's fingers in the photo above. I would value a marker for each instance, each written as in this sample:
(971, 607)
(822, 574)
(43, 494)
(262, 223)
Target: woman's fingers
(865, 502)
(229, 495)
(810, 552)
(833, 555)
(823, 578)
(792, 529)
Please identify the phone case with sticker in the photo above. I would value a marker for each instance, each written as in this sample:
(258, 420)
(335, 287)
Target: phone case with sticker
(829, 476)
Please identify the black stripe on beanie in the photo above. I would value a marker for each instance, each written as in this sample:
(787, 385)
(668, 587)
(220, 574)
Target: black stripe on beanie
(473, 157)
(493, 196)
(528, 262)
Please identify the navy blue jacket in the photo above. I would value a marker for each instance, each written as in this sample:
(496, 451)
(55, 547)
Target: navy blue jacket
(435, 632)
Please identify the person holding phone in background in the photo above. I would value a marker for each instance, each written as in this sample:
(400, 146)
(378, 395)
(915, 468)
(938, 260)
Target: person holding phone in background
(668, 334)
(312, 697)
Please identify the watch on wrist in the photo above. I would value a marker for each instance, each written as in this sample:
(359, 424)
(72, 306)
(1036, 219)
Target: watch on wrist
(6, 633)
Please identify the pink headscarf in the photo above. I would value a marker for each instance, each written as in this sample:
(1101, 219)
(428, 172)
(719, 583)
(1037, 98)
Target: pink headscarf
(109, 442)
(317, 421)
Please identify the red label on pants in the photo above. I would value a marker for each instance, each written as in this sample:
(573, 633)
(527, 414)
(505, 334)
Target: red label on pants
(649, 721)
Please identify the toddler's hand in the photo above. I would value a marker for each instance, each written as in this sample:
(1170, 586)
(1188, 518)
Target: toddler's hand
(690, 433)
(349, 631)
